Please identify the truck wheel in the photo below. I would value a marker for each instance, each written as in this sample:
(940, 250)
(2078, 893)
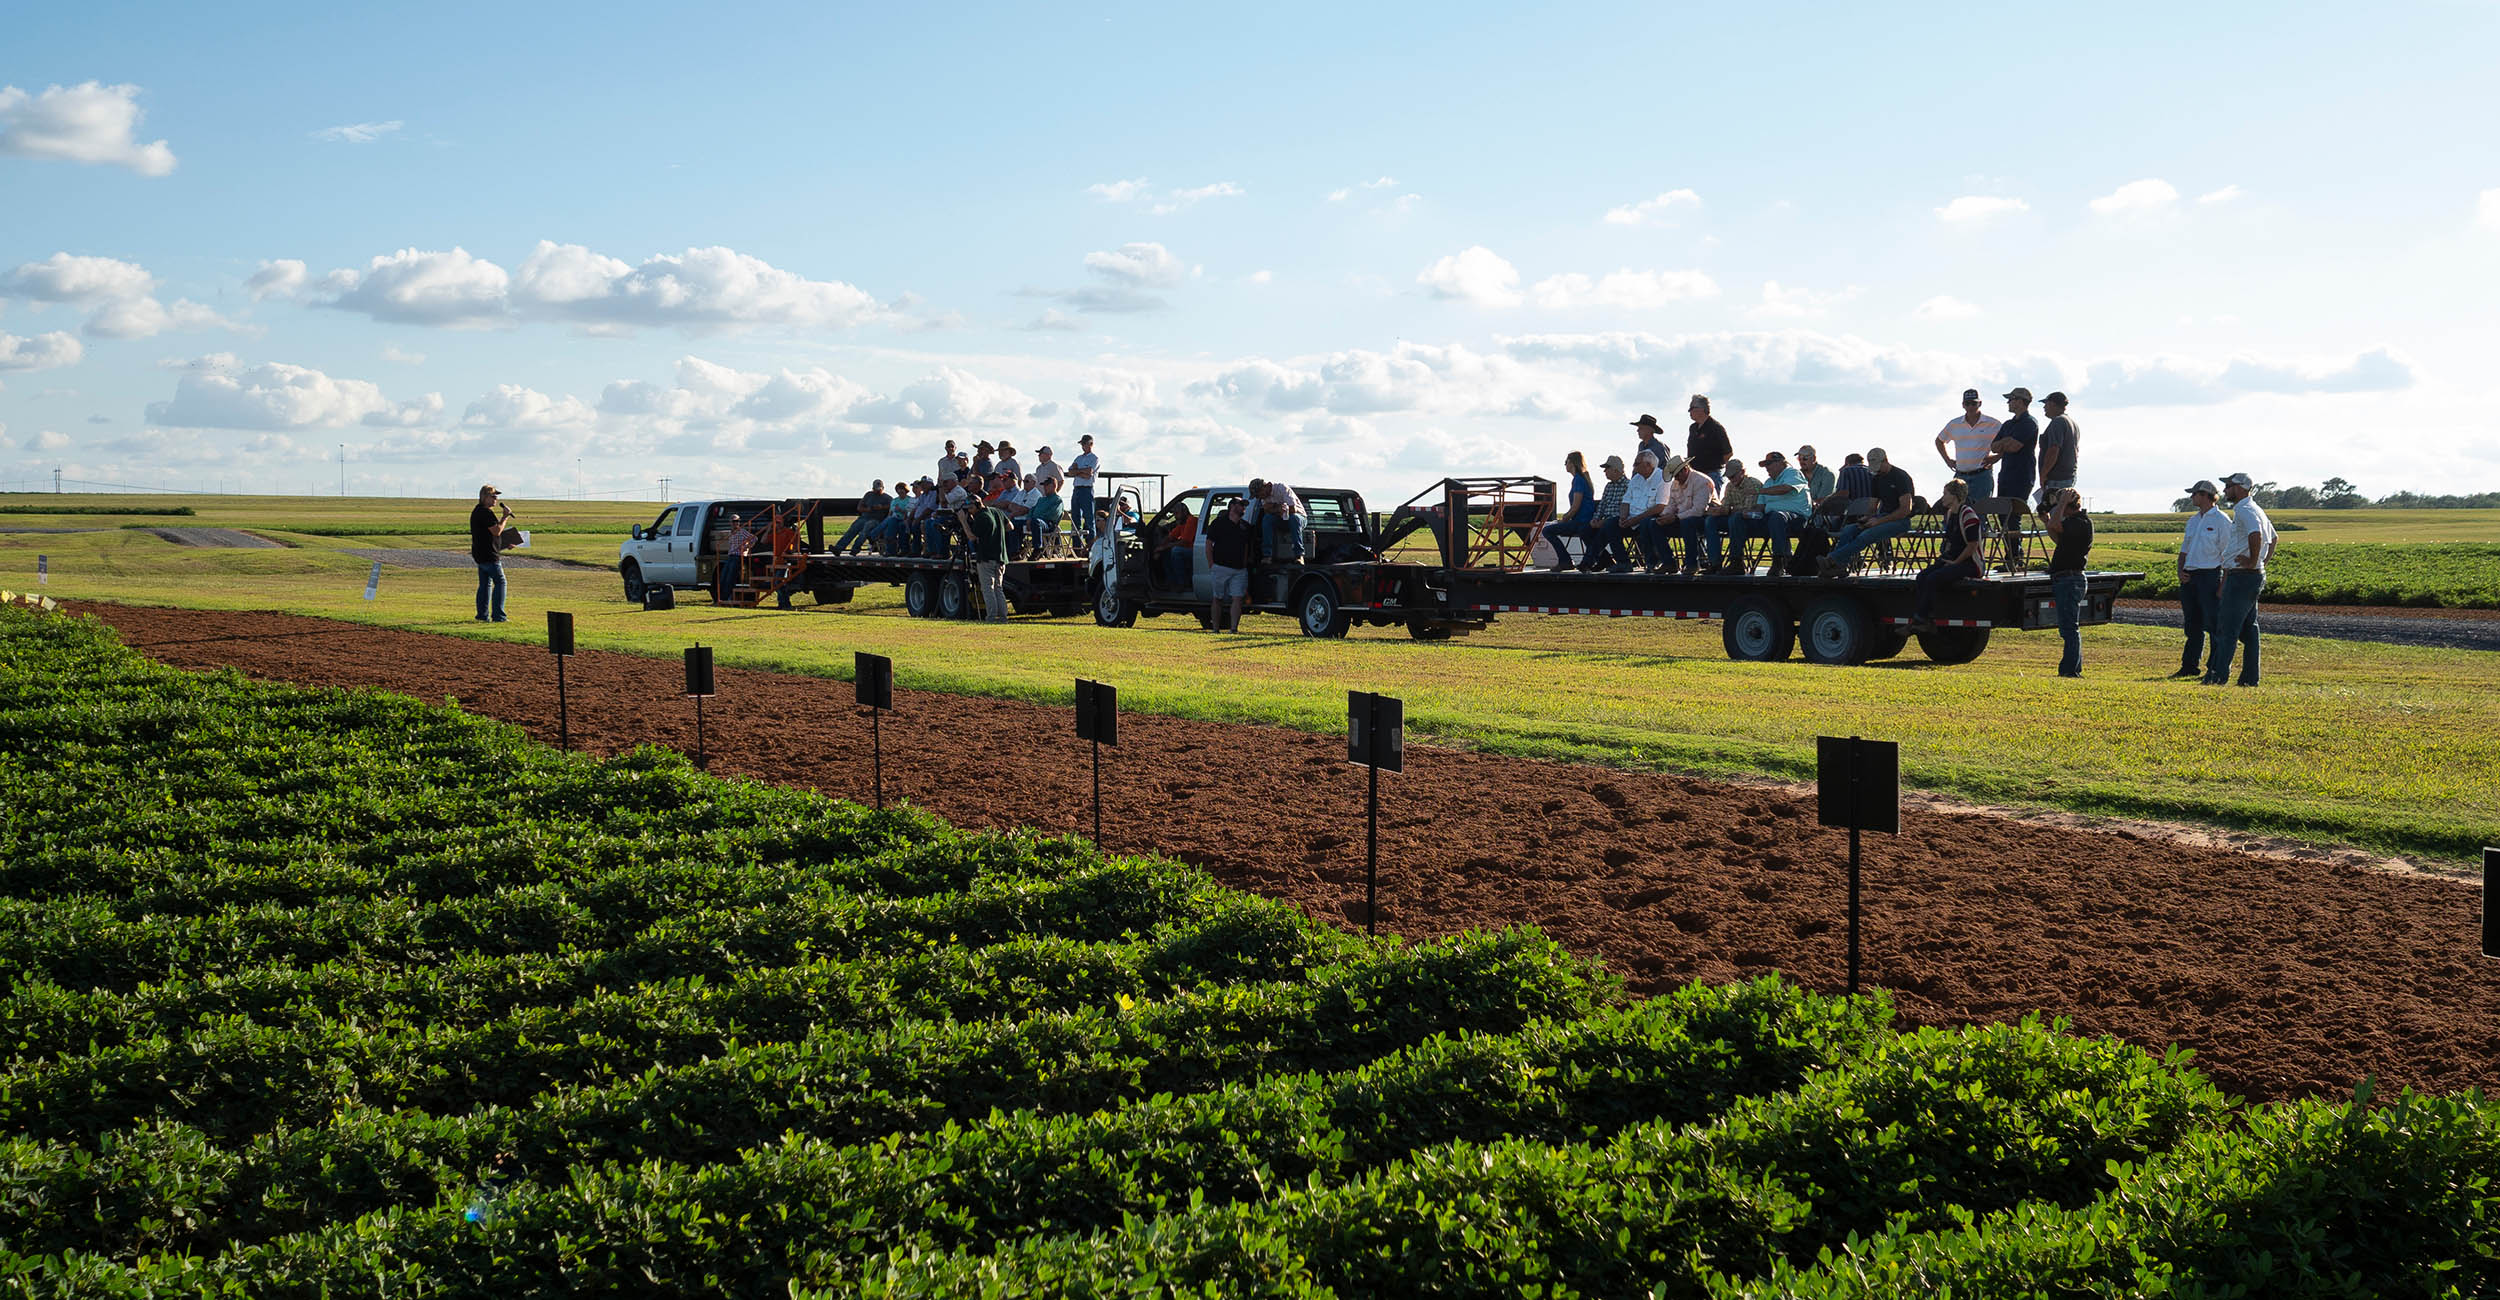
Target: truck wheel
(1321, 615)
(632, 573)
(954, 597)
(1757, 629)
(1836, 630)
(1885, 642)
(1953, 645)
(920, 596)
(1111, 609)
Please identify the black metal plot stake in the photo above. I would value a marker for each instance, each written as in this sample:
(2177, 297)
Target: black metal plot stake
(1375, 738)
(872, 684)
(1857, 785)
(1097, 721)
(699, 686)
(2491, 890)
(560, 644)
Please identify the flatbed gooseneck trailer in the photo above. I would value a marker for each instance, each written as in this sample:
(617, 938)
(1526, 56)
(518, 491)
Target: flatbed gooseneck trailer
(1444, 564)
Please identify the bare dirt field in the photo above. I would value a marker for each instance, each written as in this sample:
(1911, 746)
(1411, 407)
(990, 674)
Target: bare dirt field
(2287, 977)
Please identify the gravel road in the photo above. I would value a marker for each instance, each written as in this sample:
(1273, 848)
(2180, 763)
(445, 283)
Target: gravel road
(2343, 625)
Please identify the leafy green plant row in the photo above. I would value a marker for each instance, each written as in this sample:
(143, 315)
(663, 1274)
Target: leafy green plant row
(1929, 1131)
(345, 1157)
(553, 996)
(2454, 575)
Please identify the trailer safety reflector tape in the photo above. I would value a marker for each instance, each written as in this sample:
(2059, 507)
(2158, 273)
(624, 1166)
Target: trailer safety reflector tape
(1946, 622)
(1583, 609)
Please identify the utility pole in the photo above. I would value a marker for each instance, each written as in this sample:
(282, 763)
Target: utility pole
(342, 469)
(56, 480)
(664, 496)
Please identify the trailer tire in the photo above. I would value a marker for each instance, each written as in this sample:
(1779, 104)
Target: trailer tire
(1953, 645)
(954, 598)
(1320, 614)
(1837, 630)
(1424, 629)
(1885, 642)
(833, 595)
(920, 596)
(1757, 629)
(1111, 609)
(634, 585)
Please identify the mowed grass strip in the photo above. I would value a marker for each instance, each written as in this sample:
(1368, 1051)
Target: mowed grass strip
(2389, 747)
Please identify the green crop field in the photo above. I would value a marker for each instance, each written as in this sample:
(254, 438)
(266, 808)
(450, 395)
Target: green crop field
(337, 993)
(1633, 693)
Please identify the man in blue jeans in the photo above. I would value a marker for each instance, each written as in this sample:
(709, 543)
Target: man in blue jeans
(2071, 529)
(2204, 548)
(1895, 498)
(486, 549)
(2252, 544)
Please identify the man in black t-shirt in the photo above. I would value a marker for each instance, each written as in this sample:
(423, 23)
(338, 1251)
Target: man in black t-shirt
(1895, 498)
(1228, 564)
(1706, 446)
(2072, 529)
(486, 549)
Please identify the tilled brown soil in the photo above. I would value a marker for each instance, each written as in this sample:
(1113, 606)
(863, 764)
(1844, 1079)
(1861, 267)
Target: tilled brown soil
(2285, 977)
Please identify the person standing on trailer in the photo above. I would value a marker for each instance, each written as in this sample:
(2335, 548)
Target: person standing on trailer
(1963, 538)
(2243, 580)
(1281, 518)
(983, 464)
(1967, 446)
(1606, 534)
(985, 527)
(486, 550)
(2017, 448)
(2072, 530)
(1007, 463)
(2204, 548)
(1081, 472)
(2057, 448)
(1706, 447)
(1228, 565)
(1653, 440)
(947, 463)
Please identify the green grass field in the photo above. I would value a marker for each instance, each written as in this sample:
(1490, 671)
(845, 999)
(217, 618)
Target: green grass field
(2384, 746)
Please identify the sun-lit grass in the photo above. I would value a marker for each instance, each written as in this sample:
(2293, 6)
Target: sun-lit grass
(2388, 746)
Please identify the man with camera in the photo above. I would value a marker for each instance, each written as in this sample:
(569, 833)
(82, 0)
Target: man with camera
(486, 547)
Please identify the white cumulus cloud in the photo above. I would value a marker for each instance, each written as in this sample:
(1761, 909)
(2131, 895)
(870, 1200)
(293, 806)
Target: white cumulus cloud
(511, 406)
(1118, 191)
(1179, 199)
(1945, 306)
(1478, 275)
(1143, 265)
(1652, 211)
(357, 132)
(2149, 195)
(1783, 302)
(1631, 290)
(2223, 195)
(89, 122)
(415, 287)
(277, 278)
(271, 396)
(699, 290)
(120, 292)
(42, 352)
(1979, 209)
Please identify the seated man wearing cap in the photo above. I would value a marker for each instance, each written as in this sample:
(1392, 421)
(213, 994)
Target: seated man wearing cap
(1690, 494)
(1895, 497)
(1739, 504)
(1606, 534)
(1968, 444)
(1784, 495)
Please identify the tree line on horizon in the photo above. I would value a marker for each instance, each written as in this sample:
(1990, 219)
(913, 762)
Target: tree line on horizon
(2340, 494)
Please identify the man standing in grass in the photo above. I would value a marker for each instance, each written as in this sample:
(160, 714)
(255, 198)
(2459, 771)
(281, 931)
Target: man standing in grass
(2203, 550)
(2243, 578)
(486, 548)
(2071, 529)
(985, 526)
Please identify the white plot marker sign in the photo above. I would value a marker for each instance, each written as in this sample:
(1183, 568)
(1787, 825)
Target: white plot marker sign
(373, 580)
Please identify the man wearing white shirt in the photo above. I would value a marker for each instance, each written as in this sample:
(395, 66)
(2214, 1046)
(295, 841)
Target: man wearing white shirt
(1690, 494)
(2203, 549)
(1081, 473)
(2243, 578)
(1644, 502)
(1969, 442)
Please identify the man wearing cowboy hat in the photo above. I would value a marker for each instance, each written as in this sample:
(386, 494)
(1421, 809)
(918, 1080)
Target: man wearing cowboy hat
(1653, 440)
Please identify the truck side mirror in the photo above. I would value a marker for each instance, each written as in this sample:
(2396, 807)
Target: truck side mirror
(637, 532)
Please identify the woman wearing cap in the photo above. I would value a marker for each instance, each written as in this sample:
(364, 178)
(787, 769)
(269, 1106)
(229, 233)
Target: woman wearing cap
(1962, 535)
(1576, 515)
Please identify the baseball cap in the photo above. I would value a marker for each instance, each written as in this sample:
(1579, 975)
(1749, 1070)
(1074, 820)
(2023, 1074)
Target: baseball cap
(1611, 462)
(1970, 394)
(1775, 456)
(2206, 486)
(2054, 397)
(1043, 450)
(2241, 479)
(2022, 393)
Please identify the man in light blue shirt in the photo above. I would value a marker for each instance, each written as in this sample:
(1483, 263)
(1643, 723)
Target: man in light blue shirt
(1786, 497)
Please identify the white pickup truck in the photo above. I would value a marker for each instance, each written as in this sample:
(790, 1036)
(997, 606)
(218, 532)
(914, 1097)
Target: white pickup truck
(677, 549)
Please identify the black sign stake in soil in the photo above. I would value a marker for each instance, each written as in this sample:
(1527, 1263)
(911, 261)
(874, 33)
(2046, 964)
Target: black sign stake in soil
(1857, 784)
(1375, 738)
(2491, 890)
(872, 680)
(560, 644)
(1097, 720)
(699, 687)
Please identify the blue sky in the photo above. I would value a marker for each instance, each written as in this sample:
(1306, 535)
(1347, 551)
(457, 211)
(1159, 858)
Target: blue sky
(792, 248)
